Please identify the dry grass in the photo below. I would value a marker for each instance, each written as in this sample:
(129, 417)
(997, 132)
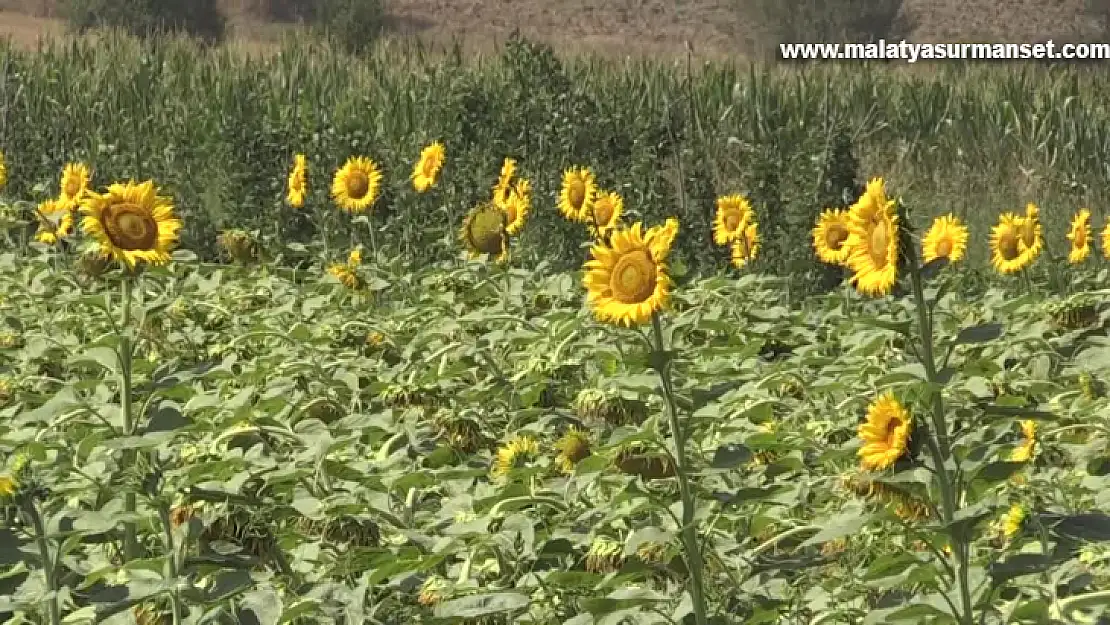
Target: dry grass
(657, 28)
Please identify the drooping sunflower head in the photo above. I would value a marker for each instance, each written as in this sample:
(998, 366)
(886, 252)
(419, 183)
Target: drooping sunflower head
(746, 246)
(626, 279)
(485, 231)
(356, 184)
(1027, 448)
(830, 236)
(885, 433)
(517, 453)
(605, 555)
(132, 223)
(517, 205)
(946, 238)
(1080, 236)
(55, 221)
(605, 213)
(426, 170)
(297, 183)
(74, 183)
(345, 274)
(239, 245)
(573, 447)
(733, 214)
(577, 194)
(1007, 256)
(873, 241)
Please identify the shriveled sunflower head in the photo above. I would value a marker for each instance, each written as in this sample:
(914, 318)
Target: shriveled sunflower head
(426, 170)
(577, 194)
(733, 214)
(297, 183)
(132, 223)
(885, 433)
(626, 279)
(946, 238)
(573, 447)
(830, 236)
(74, 183)
(1079, 234)
(485, 231)
(345, 274)
(239, 245)
(356, 184)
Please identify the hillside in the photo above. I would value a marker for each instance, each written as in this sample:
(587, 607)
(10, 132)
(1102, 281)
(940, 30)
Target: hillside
(652, 27)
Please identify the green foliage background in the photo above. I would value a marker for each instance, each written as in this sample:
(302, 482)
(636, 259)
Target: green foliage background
(218, 131)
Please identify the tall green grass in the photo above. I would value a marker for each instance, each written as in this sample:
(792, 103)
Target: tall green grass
(218, 130)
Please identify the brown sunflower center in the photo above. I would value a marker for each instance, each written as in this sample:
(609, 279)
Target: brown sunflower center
(576, 193)
(129, 227)
(603, 212)
(1029, 232)
(510, 210)
(358, 185)
(892, 431)
(879, 242)
(1008, 245)
(732, 221)
(944, 247)
(835, 237)
(633, 277)
(1080, 239)
(72, 187)
(429, 167)
(485, 232)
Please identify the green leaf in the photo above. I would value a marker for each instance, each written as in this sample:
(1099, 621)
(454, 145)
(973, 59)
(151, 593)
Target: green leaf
(104, 356)
(979, 334)
(265, 607)
(1091, 526)
(730, 456)
(999, 471)
(475, 606)
(845, 524)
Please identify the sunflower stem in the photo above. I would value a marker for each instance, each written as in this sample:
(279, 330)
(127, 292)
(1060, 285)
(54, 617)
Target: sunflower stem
(130, 542)
(48, 567)
(938, 443)
(171, 562)
(689, 534)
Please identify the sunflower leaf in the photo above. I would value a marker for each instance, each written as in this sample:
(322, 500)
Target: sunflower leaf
(475, 606)
(934, 267)
(979, 334)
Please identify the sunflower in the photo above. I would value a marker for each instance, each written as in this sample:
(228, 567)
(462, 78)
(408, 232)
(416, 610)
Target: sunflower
(885, 433)
(345, 274)
(356, 184)
(8, 485)
(605, 213)
(830, 236)
(733, 214)
(873, 241)
(239, 245)
(484, 231)
(577, 195)
(946, 238)
(746, 246)
(1032, 234)
(55, 222)
(1106, 239)
(1010, 523)
(3, 171)
(1080, 236)
(626, 279)
(503, 189)
(354, 258)
(519, 451)
(517, 206)
(427, 168)
(1006, 253)
(573, 447)
(298, 182)
(131, 222)
(1025, 451)
(604, 555)
(74, 183)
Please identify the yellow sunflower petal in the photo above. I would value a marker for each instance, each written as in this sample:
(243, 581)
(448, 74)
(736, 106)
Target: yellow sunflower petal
(131, 222)
(356, 184)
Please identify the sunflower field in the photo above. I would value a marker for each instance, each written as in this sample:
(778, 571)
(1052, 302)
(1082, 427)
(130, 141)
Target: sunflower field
(551, 396)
